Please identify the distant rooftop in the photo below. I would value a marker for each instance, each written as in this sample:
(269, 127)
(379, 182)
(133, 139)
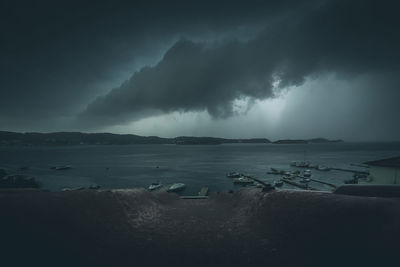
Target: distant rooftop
(389, 162)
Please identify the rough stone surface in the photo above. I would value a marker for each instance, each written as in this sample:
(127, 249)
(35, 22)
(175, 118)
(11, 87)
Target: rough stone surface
(246, 228)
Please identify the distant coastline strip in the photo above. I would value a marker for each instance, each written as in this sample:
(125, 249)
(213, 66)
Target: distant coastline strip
(78, 138)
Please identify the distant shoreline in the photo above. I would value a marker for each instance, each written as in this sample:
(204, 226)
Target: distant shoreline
(78, 138)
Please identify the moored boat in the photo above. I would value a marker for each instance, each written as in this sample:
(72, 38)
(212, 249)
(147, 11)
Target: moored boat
(176, 187)
(301, 164)
(305, 180)
(154, 186)
(233, 175)
(322, 168)
(61, 168)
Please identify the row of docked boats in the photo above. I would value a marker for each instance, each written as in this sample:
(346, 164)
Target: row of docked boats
(305, 173)
(239, 178)
(293, 175)
(244, 180)
(234, 175)
(306, 164)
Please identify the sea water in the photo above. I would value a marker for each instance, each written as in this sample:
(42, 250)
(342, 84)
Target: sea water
(128, 166)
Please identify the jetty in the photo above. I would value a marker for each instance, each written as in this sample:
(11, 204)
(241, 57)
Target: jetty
(265, 185)
(302, 186)
(317, 181)
(359, 165)
(349, 170)
(322, 182)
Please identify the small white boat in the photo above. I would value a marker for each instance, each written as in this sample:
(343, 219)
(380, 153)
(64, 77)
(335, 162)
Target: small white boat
(234, 175)
(154, 186)
(305, 180)
(65, 189)
(176, 187)
(276, 171)
(302, 164)
(307, 173)
(322, 168)
(61, 168)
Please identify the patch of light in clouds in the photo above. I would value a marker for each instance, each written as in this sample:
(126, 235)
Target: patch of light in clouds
(327, 107)
(256, 119)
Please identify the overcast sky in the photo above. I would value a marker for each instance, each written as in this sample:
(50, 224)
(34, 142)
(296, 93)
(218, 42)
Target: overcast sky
(274, 69)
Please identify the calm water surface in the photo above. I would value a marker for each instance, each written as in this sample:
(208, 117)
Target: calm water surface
(196, 166)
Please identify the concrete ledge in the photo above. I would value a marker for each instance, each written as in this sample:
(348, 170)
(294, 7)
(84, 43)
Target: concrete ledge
(245, 228)
(387, 191)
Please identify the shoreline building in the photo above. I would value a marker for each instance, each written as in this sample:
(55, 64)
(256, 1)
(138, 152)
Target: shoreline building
(384, 171)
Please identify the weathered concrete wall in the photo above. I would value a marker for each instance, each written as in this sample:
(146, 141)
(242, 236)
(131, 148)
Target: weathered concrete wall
(247, 228)
(384, 175)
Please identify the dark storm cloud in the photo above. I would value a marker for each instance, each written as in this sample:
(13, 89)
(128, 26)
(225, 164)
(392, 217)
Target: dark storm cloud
(346, 37)
(190, 77)
(54, 54)
(62, 58)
